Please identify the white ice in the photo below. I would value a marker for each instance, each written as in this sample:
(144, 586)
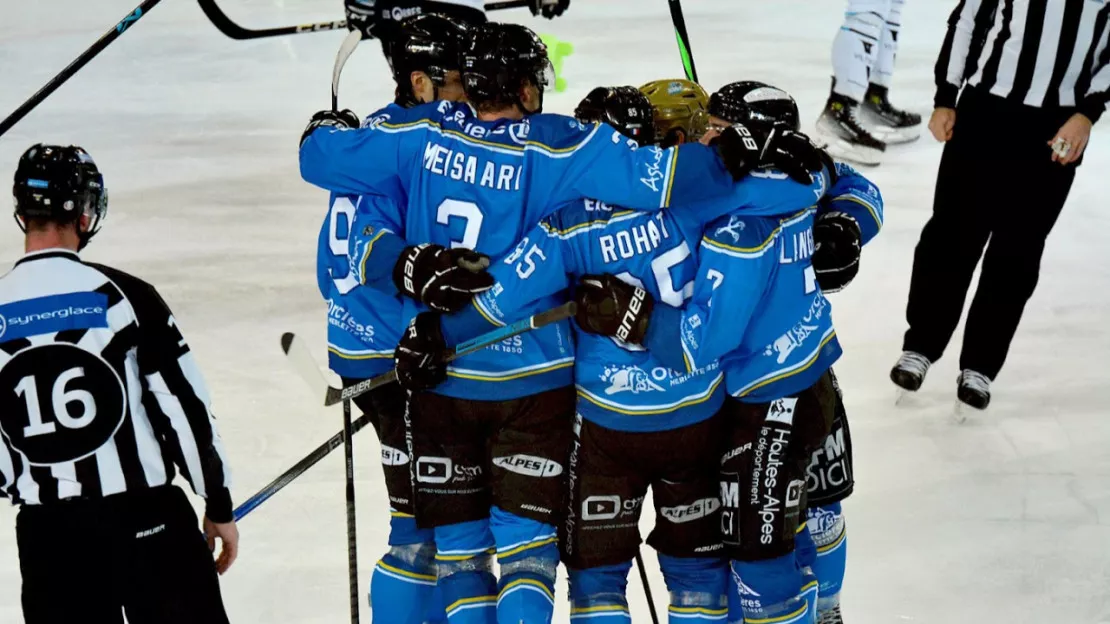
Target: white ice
(1005, 518)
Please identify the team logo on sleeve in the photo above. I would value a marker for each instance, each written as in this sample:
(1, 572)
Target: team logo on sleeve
(733, 229)
(654, 171)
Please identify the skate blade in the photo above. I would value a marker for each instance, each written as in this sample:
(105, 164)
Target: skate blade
(840, 149)
(902, 397)
(895, 136)
(961, 412)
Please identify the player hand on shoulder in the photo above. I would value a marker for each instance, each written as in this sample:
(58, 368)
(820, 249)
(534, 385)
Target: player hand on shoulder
(442, 279)
(748, 145)
(610, 307)
(229, 542)
(419, 356)
(548, 8)
(836, 237)
(345, 118)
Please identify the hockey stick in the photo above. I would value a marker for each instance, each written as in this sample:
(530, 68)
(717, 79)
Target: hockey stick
(647, 588)
(77, 64)
(350, 42)
(352, 537)
(683, 38)
(554, 315)
(224, 24)
(305, 365)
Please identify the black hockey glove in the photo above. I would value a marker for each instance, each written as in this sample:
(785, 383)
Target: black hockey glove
(445, 280)
(419, 356)
(379, 19)
(549, 8)
(610, 307)
(836, 238)
(332, 119)
(749, 145)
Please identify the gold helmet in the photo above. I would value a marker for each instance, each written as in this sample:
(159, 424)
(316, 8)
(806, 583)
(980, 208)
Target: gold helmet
(680, 107)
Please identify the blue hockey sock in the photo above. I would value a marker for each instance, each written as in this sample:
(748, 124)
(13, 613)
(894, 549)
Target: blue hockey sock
(697, 586)
(776, 591)
(405, 578)
(464, 565)
(597, 595)
(528, 554)
(826, 524)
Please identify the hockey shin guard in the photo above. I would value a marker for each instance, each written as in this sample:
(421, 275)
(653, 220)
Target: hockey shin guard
(597, 595)
(528, 554)
(776, 591)
(405, 579)
(883, 71)
(697, 586)
(826, 524)
(464, 566)
(856, 46)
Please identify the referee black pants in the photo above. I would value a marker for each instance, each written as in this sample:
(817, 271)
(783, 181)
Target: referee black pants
(86, 562)
(997, 188)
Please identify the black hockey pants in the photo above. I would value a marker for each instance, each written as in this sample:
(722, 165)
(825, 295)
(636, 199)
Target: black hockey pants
(88, 561)
(996, 181)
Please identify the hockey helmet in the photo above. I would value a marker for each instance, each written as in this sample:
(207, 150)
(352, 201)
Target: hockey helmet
(680, 108)
(59, 184)
(431, 43)
(502, 58)
(752, 100)
(625, 108)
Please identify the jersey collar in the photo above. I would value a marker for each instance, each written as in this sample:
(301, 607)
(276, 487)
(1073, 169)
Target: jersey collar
(56, 252)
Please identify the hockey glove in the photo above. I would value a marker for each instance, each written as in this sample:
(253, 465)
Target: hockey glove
(836, 238)
(380, 19)
(419, 356)
(792, 153)
(549, 8)
(442, 279)
(331, 119)
(610, 307)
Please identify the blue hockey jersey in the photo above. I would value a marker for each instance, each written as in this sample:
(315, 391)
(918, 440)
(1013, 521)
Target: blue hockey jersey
(757, 305)
(364, 324)
(470, 183)
(620, 386)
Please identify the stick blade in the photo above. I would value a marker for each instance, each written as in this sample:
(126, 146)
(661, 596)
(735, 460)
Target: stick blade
(287, 342)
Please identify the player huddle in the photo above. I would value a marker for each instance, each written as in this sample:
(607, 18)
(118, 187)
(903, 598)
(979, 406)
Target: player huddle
(697, 236)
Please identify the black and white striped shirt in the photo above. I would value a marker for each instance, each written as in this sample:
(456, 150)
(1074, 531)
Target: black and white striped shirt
(1041, 53)
(99, 393)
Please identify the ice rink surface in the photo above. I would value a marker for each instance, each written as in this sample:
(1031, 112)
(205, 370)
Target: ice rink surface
(1005, 518)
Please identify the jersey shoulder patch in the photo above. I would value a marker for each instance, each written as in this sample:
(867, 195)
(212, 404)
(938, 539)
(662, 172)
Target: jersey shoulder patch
(748, 236)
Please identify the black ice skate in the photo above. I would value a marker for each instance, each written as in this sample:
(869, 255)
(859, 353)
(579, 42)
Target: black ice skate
(830, 616)
(887, 123)
(840, 132)
(974, 389)
(909, 372)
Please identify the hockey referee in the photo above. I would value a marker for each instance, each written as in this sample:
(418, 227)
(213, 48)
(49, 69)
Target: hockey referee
(1035, 75)
(99, 400)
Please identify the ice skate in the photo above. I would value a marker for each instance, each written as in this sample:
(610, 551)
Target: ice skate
(909, 373)
(840, 132)
(974, 389)
(888, 123)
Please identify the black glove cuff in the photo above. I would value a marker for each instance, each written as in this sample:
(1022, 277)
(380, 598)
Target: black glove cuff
(217, 506)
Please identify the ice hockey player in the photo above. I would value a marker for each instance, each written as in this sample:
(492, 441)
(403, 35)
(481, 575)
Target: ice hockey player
(858, 120)
(757, 306)
(365, 323)
(479, 177)
(680, 110)
(848, 217)
(626, 410)
(102, 400)
(382, 19)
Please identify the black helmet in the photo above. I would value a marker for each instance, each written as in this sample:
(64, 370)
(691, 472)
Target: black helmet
(749, 99)
(431, 43)
(500, 59)
(59, 184)
(625, 108)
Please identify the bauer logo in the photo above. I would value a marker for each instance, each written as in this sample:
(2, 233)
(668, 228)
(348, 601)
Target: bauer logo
(529, 465)
(694, 511)
(433, 469)
(393, 457)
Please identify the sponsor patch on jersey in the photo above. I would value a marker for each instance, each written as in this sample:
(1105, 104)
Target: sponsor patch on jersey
(694, 511)
(55, 313)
